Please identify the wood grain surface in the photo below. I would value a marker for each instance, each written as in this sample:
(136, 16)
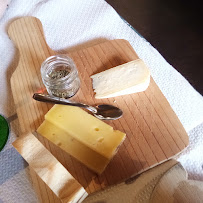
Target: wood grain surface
(154, 133)
(49, 169)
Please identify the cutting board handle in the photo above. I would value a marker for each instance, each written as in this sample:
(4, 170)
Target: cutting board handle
(27, 33)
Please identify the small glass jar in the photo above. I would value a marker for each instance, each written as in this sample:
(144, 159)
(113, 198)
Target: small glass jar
(60, 76)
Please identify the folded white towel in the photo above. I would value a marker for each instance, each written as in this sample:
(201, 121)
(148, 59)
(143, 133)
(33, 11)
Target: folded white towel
(4, 4)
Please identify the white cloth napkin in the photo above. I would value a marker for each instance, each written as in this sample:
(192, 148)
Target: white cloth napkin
(4, 4)
(75, 24)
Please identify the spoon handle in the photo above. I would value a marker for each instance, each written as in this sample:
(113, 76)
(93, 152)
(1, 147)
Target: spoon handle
(57, 100)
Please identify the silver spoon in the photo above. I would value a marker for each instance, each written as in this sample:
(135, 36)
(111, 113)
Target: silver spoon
(103, 111)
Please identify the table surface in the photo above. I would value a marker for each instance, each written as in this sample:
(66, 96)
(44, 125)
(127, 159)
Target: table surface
(174, 28)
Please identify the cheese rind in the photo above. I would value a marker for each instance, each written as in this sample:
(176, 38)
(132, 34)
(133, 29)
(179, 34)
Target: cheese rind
(81, 152)
(90, 131)
(128, 78)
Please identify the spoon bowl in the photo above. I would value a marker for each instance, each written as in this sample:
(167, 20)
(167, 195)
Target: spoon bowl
(103, 111)
(108, 112)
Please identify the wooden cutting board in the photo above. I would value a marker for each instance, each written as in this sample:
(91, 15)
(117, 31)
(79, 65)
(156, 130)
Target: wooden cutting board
(154, 133)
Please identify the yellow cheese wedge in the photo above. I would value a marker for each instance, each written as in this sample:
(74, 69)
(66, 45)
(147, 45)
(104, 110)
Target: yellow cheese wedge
(81, 152)
(90, 131)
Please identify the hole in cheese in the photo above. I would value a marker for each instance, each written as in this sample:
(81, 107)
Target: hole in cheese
(100, 139)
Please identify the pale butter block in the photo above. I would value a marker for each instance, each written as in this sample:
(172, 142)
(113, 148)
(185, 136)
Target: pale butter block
(87, 129)
(72, 146)
(127, 78)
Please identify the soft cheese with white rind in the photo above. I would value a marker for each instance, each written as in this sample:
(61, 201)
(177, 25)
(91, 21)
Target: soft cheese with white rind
(127, 78)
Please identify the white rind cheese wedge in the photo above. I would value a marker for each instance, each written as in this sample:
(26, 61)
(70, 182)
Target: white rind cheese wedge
(125, 79)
